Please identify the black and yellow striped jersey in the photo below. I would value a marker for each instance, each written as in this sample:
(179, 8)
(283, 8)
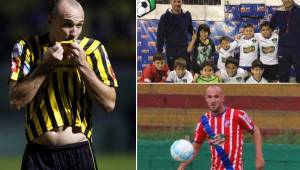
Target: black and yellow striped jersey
(63, 99)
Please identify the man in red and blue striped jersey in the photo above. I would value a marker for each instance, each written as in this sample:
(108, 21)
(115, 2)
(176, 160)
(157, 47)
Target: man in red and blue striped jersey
(223, 127)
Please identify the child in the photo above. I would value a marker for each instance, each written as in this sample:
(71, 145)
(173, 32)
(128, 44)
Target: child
(206, 74)
(155, 72)
(180, 74)
(226, 50)
(268, 46)
(248, 47)
(232, 72)
(202, 47)
(257, 71)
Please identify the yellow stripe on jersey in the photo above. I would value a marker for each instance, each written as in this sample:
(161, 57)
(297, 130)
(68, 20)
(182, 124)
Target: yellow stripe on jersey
(101, 67)
(63, 97)
(89, 134)
(37, 125)
(54, 106)
(93, 47)
(83, 42)
(46, 117)
(29, 132)
(79, 107)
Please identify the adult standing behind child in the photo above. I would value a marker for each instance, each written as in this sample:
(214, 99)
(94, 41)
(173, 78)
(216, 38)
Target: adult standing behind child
(173, 29)
(287, 18)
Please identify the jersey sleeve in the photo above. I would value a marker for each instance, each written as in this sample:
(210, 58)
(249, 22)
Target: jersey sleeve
(245, 121)
(234, 44)
(101, 65)
(146, 74)
(200, 134)
(20, 61)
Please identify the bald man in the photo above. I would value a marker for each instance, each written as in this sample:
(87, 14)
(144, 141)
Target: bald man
(56, 77)
(223, 127)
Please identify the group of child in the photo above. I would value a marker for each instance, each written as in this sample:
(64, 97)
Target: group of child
(249, 67)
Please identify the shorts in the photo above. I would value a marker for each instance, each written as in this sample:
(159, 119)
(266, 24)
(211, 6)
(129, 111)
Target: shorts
(77, 156)
(271, 72)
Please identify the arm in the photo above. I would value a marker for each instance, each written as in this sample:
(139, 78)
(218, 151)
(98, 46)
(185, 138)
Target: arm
(196, 76)
(23, 92)
(166, 72)
(197, 147)
(258, 148)
(147, 74)
(192, 42)
(218, 74)
(102, 93)
(170, 77)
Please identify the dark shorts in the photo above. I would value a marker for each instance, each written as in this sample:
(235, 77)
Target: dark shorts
(78, 156)
(271, 72)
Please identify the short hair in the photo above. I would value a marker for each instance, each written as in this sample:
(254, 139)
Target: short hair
(231, 60)
(180, 62)
(52, 5)
(206, 63)
(224, 38)
(248, 25)
(257, 63)
(203, 27)
(264, 24)
(158, 56)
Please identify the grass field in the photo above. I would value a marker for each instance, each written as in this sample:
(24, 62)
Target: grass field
(124, 161)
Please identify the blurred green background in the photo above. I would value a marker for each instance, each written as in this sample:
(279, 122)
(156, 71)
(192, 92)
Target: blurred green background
(113, 23)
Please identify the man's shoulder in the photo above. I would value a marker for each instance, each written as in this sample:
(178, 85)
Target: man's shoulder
(186, 12)
(89, 44)
(167, 13)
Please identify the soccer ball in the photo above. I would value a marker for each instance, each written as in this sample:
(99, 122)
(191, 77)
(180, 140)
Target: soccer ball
(143, 6)
(182, 150)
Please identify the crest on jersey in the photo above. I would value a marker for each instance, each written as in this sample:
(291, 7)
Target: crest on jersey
(254, 40)
(15, 65)
(227, 123)
(238, 79)
(274, 40)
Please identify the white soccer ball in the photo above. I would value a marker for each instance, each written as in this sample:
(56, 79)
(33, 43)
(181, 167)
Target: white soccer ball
(143, 6)
(182, 150)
